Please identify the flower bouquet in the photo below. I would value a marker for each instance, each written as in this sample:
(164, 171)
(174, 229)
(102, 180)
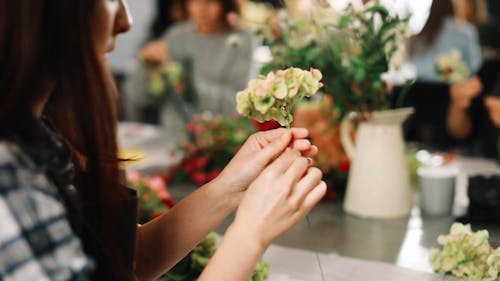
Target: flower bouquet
(173, 81)
(212, 142)
(467, 255)
(162, 77)
(256, 17)
(451, 68)
(352, 48)
(154, 199)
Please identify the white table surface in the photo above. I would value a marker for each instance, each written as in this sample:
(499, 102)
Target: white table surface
(301, 265)
(350, 248)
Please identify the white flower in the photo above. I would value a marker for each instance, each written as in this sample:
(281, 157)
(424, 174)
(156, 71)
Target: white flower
(234, 40)
(451, 67)
(466, 254)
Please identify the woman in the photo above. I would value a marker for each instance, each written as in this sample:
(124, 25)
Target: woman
(64, 211)
(218, 54)
(441, 34)
(476, 13)
(430, 96)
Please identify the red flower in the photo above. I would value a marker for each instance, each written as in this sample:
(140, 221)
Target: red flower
(189, 164)
(345, 166)
(330, 194)
(169, 202)
(265, 126)
(199, 178)
(201, 162)
(213, 174)
(157, 215)
(169, 176)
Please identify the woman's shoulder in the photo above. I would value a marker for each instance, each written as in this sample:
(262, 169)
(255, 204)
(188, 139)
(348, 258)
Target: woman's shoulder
(178, 29)
(17, 170)
(12, 156)
(460, 28)
(34, 223)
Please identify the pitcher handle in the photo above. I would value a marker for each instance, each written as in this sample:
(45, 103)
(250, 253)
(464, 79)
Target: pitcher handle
(345, 134)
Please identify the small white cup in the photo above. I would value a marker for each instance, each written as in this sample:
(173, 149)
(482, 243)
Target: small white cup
(437, 189)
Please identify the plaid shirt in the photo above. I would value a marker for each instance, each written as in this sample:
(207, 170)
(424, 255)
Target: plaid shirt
(36, 241)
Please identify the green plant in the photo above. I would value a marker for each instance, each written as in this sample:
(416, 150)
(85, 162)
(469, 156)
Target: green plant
(212, 143)
(352, 50)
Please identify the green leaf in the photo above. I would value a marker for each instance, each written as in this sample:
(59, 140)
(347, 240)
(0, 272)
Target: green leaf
(360, 74)
(379, 9)
(344, 21)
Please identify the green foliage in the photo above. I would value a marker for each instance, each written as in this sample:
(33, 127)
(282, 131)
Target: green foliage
(352, 53)
(261, 272)
(154, 198)
(212, 143)
(192, 265)
(217, 138)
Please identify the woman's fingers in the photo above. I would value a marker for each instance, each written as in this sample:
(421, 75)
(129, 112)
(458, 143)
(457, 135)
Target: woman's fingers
(300, 133)
(283, 162)
(313, 197)
(301, 144)
(305, 184)
(155, 51)
(269, 136)
(296, 170)
(493, 105)
(305, 147)
(272, 135)
(282, 195)
(272, 150)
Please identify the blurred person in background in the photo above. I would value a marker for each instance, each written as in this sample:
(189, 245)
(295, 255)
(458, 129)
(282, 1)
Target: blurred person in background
(443, 32)
(477, 13)
(215, 54)
(430, 96)
(474, 112)
(65, 212)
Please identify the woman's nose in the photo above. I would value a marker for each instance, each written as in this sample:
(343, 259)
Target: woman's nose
(124, 19)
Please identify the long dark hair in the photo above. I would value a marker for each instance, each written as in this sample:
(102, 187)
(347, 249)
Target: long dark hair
(51, 41)
(440, 11)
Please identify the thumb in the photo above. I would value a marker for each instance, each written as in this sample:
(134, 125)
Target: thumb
(273, 149)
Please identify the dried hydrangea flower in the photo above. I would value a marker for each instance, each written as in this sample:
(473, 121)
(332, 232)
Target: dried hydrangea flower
(272, 97)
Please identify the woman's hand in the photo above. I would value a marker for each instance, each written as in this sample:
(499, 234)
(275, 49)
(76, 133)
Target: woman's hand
(493, 106)
(155, 52)
(281, 196)
(258, 151)
(463, 93)
(458, 121)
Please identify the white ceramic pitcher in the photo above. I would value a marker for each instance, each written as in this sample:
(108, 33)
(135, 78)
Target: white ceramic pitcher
(378, 184)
